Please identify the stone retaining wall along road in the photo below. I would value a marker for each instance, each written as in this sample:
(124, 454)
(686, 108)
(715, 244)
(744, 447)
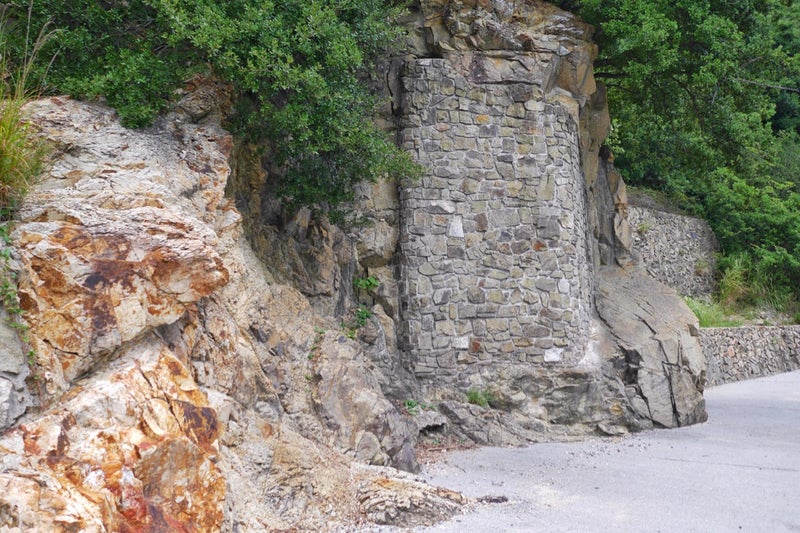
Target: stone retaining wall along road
(736, 354)
(677, 250)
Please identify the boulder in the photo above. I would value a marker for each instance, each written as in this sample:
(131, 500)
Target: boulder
(660, 358)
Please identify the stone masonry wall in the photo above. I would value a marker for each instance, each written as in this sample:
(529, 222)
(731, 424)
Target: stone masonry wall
(676, 250)
(736, 354)
(494, 259)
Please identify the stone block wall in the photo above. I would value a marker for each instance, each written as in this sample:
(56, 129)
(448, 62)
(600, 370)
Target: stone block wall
(677, 250)
(493, 238)
(736, 354)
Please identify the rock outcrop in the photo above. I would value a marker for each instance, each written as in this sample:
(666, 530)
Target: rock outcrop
(486, 267)
(503, 239)
(196, 371)
(179, 389)
(661, 361)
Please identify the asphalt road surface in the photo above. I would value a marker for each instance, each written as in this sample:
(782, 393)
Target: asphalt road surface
(740, 471)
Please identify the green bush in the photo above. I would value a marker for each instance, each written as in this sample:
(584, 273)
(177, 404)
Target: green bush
(297, 67)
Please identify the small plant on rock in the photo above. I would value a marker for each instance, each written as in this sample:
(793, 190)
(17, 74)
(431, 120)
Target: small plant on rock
(365, 288)
(362, 316)
(482, 397)
(644, 227)
(368, 283)
(412, 406)
(319, 333)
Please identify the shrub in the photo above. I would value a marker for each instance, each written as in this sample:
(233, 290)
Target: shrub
(296, 65)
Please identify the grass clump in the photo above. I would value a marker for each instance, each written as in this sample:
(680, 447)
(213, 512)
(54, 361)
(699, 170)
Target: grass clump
(711, 314)
(21, 153)
(480, 397)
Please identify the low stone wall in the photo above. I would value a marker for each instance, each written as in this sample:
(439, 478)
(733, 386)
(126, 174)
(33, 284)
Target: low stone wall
(736, 354)
(676, 250)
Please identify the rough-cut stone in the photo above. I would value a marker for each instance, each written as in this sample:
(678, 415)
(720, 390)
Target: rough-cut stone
(735, 354)
(511, 235)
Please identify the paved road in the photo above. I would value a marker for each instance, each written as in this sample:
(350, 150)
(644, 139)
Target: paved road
(740, 471)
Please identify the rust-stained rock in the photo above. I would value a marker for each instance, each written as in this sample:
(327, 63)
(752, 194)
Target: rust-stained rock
(132, 450)
(194, 393)
(118, 239)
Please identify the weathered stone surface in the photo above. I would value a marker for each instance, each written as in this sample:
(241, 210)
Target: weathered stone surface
(656, 334)
(735, 354)
(677, 250)
(14, 395)
(226, 405)
(112, 247)
(608, 216)
(407, 502)
(298, 248)
(134, 449)
(350, 400)
(311, 255)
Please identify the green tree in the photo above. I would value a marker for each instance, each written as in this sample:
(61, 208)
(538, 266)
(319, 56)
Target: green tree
(693, 87)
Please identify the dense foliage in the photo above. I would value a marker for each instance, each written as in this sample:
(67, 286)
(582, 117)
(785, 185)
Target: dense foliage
(295, 64)
(704, 95)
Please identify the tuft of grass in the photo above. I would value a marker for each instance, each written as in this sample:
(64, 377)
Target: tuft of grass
(733, 283)
(21, 156)
(482, 398)
(712, 314)
(746, 285)
(21, 153)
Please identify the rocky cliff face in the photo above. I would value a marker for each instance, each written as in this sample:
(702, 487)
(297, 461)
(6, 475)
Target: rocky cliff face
(191, 368)
(515, 244)
(489, 266)
(178, 388)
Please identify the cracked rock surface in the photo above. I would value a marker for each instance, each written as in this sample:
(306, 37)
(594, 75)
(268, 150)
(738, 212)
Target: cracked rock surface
(179, 388)
(664, 368)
